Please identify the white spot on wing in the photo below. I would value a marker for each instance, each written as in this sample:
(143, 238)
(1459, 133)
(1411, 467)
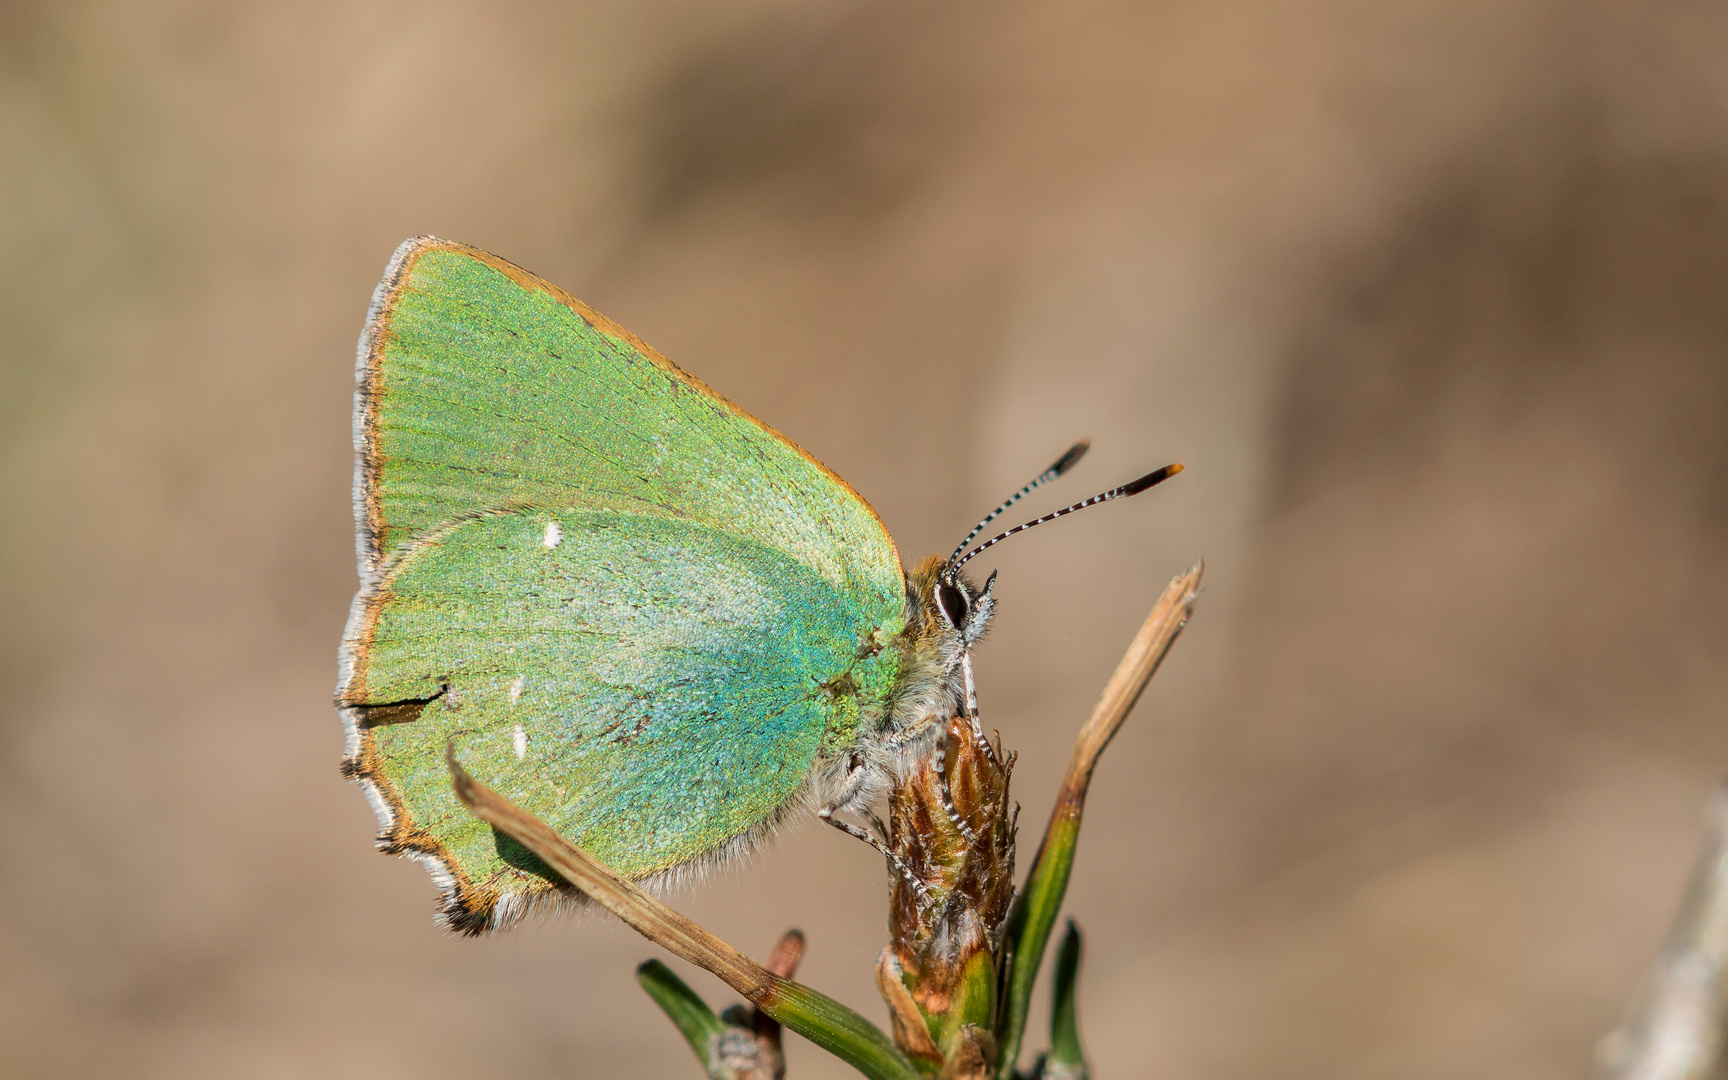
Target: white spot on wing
(521, 739)
(516, 688)
(554, 534)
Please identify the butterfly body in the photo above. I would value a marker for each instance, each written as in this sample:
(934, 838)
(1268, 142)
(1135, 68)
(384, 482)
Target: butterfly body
(640, 613)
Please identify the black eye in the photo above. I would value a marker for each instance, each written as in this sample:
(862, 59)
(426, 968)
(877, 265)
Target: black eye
(953, 604)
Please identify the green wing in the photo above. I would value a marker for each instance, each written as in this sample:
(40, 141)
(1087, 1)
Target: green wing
(651, 688)
(707, 618)
(481, 386)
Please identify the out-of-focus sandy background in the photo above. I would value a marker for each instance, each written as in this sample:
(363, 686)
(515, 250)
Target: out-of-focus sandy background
(1432, 298)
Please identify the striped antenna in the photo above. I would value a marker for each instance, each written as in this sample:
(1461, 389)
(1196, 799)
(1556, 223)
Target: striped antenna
(1063, 464)
(1133, 487)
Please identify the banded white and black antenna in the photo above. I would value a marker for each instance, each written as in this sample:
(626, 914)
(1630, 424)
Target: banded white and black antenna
(1067, 461)
(1133, 487)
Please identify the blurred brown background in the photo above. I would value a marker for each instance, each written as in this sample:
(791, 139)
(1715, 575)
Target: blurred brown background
(1432, 299)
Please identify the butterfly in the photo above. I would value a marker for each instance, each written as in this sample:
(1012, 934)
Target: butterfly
(640, 613)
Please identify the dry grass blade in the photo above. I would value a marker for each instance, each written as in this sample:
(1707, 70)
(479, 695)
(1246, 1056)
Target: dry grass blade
(641, 911)
(1035, 908)
(819, 1018)
(1136, 669)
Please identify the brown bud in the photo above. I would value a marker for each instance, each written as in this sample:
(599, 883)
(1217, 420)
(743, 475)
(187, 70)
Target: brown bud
(952, 827)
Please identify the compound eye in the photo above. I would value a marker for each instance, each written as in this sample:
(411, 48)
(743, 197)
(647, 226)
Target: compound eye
(953, 603)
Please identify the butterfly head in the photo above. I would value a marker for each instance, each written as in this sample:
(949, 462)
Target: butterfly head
(956, 609)
(947, 613)
(950, 607)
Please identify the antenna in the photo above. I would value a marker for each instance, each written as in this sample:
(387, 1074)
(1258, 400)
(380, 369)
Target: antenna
(1063, 464)
(1133, 487)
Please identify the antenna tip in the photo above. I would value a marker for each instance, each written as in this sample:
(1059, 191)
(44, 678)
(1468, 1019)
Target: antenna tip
(1071, 458)
(1156, 476)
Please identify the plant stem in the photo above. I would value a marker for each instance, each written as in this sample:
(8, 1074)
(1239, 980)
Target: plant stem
(1036, 907)
(819, 1018)
(1678, 1028)
(1067, 1058)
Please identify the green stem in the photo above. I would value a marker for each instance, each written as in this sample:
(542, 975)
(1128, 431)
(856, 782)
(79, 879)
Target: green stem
(684, 1007)
(1029, 926)
(1066, 1053)
(838, 1030)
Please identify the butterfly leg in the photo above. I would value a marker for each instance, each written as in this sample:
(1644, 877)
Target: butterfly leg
(880, 826)
(827, 814)
(947, 795)
(853, 791)
(954, 817)
(972, 711)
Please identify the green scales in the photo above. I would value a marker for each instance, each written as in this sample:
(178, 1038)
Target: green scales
(641, 613)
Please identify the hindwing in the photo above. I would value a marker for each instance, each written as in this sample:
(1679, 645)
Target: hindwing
(639, 612)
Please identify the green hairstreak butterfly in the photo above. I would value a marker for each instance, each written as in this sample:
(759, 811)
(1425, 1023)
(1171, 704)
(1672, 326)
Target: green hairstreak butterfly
(642, 613)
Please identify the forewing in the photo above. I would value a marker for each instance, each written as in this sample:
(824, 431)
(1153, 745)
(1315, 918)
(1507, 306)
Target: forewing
(654, 689)
(480, 386)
